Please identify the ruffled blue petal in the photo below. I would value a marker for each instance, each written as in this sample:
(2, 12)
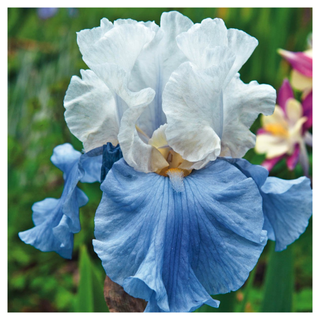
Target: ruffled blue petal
(288, 207)
(287, 204)
(56, 220)
(174, 249)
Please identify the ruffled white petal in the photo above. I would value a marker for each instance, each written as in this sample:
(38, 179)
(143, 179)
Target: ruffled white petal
(242, 45)
(155, 64)
(149, 24)
(242, 103)
(91, 113)
(151, 82)
(193, 106)
(119, 45)
(88, 37)
(197, 42)
(113, 55)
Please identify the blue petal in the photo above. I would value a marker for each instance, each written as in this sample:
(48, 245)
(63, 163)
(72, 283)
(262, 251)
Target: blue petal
(56, 220)
(91, 163)
(46, 215)
(287, 204)
(288, 207)
(174, 249)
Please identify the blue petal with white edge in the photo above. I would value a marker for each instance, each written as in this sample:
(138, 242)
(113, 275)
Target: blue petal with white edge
(287, 204)
(175, 248)
(56, 220)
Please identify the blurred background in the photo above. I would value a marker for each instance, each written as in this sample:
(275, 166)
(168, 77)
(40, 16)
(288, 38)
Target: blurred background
(42, 56)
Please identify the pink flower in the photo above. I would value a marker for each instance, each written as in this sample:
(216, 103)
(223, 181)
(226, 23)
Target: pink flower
(301, 75)
(285, 133)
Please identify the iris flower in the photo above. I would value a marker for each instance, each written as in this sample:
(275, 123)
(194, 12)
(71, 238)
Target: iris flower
(163, 110)
(285, 133)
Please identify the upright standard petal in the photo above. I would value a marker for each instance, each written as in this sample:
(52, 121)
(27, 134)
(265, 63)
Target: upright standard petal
(192, 102)
(242, 103)
(197, 42)
(119, 45)
(172, 248)
(113, 55)
(242, 45)
(287, 204)
(201, 39)
(91, 111)
(155, 64)
(56, 220)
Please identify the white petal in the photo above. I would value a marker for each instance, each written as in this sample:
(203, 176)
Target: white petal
(242, 45)
(158, 138)
(119, 45)
(241, 105)
(88, 37)
(155, 64)
(193, 106)
(273, 146)
(197, 165)
(201, 38)
(139, 155)
(91, 112)
(149, 24)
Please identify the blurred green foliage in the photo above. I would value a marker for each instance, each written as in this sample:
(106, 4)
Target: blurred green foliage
(42, 57)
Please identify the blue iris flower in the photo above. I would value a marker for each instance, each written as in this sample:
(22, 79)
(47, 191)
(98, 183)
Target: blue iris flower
(164, 119)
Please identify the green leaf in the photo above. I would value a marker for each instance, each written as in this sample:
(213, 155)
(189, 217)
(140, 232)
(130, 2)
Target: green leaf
(279, 281)
(303, 301)
(90, 292)
(247, 289)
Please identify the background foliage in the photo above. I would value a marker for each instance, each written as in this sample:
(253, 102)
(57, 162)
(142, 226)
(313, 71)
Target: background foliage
(42, 57)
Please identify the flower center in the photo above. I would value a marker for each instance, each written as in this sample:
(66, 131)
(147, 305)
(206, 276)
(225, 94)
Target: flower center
(175, 160)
